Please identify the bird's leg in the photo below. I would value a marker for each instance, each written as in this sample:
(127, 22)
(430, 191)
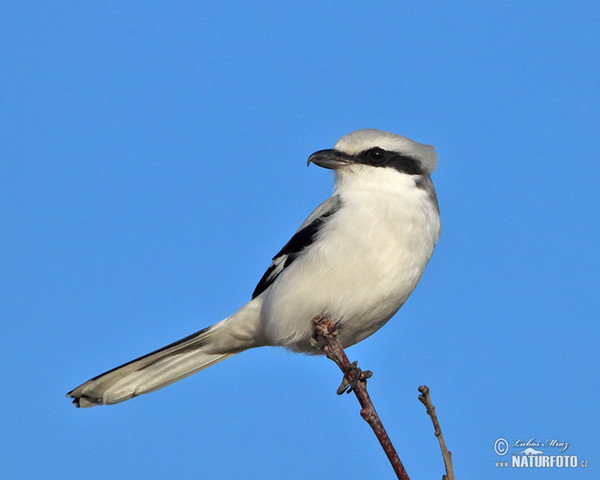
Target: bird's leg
(324, 328)
(357, 375)
(325, 339)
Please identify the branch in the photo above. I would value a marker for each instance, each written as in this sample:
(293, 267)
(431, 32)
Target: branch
(356, 380)
(426, 400)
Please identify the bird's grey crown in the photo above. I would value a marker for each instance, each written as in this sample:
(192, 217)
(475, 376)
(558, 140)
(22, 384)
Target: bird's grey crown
(361, 140)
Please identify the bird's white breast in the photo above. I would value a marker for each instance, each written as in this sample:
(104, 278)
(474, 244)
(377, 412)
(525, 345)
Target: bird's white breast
(363, 266)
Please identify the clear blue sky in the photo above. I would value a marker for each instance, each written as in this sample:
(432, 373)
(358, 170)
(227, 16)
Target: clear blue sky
(153, 160)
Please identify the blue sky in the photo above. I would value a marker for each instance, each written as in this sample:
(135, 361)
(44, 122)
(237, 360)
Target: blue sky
(153, 160)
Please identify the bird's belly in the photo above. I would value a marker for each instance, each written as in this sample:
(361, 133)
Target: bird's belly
(359, 278)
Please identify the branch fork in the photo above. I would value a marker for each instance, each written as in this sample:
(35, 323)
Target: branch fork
(355, 380)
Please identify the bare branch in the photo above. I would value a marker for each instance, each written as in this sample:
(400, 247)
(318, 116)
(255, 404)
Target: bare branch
(426, 400)
(356, 381)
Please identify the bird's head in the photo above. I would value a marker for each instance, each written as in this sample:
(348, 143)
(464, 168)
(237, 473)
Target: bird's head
(376, 148)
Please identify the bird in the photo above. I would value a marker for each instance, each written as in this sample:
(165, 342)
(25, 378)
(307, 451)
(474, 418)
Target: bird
(355, 259)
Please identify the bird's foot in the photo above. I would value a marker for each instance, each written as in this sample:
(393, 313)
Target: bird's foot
(347, 384)
(325, 330)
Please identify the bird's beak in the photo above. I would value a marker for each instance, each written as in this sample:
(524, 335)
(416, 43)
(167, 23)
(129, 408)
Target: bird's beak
(332, 159)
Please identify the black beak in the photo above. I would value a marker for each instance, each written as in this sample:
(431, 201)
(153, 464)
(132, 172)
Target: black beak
(331, 159)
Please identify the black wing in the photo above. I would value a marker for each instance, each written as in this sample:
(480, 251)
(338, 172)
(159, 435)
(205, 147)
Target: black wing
(305, 235)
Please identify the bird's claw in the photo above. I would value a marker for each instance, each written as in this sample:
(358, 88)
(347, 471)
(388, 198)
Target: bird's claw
(359, 376)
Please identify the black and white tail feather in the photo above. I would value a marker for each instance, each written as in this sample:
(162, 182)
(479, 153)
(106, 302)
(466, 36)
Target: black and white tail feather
(356, 258)
(149, 372)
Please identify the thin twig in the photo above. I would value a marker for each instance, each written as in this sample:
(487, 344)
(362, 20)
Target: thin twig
(425, 399)
(327, 331)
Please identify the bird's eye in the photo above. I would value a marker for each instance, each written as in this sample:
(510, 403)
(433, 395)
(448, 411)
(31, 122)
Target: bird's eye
(376, 153)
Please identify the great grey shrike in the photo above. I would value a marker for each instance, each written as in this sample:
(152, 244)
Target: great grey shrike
(355, 259)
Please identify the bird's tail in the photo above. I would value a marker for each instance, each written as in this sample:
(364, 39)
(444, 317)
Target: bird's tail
(171, 363)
